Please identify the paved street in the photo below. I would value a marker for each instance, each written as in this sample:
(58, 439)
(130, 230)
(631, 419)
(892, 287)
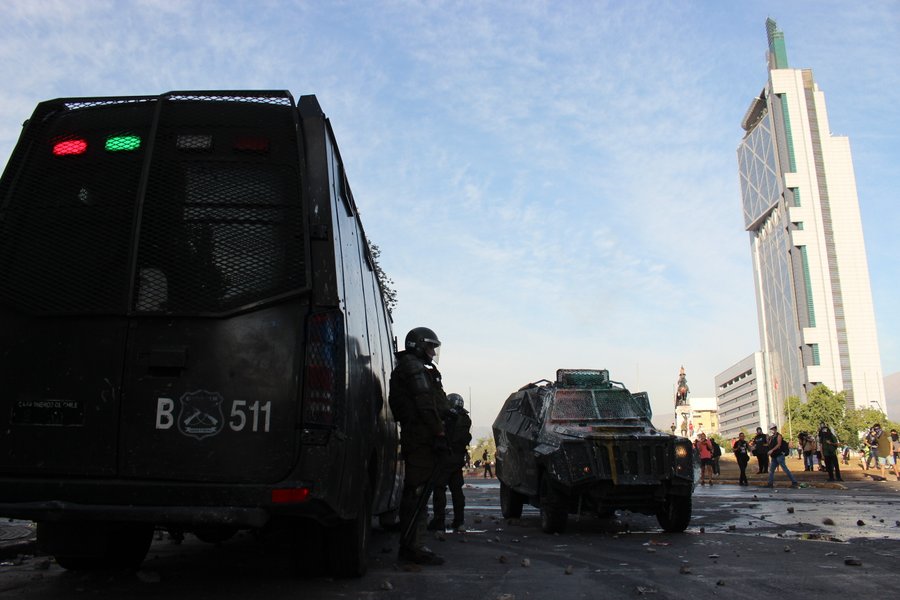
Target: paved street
(742, 543)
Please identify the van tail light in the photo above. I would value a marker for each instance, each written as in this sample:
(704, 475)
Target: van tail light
(253, 144)
(325, 379)
(290, 495)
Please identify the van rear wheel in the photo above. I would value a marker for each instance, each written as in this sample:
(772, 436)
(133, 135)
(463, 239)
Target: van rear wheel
(347, 545)
(93, 546)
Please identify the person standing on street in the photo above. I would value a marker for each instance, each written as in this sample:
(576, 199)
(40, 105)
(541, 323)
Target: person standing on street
(885, 452)
(457, 425)
(829, 444)
(809, 450)
(418, 401)
(760, 447)
(777, 457)
(872, 448)
(741, 449)
(705, 450)
(717, 454)
(895, 446)
(486, 463)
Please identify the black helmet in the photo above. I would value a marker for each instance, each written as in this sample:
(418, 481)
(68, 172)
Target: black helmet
(424, 343)
(456, 400)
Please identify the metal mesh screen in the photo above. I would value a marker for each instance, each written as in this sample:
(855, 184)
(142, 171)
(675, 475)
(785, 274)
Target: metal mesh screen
(596, 405)
(65, 230)
(218, 214)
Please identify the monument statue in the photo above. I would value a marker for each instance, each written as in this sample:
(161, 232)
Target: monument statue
(681, 390)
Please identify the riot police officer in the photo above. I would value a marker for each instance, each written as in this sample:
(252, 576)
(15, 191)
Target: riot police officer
(418, 402)
(457, 426)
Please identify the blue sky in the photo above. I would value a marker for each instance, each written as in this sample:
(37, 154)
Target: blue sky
(552, 184)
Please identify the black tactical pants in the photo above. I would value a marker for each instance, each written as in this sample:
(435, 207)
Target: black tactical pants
(453, 479)
(420, 463)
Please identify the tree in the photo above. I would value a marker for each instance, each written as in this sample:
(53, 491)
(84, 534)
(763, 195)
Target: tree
(385, 282)
(724, 444)
(821, 406)
(826, 406)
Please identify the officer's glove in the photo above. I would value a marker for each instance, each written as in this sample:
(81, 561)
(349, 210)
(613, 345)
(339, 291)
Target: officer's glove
(441, 446)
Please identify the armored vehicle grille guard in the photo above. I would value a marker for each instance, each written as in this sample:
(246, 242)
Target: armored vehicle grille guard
(623, 462)
(185, 203)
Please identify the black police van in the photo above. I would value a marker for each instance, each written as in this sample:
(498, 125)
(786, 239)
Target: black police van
(193, 336)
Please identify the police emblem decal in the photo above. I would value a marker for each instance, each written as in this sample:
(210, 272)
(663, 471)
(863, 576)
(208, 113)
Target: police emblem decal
(201, 414)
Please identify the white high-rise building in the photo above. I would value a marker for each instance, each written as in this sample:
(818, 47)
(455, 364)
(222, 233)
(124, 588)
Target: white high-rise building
(814, 300)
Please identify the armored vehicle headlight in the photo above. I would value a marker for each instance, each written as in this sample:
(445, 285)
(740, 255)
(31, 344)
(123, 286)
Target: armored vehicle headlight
(681, 451)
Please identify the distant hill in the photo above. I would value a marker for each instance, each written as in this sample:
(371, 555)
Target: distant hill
(892, 395)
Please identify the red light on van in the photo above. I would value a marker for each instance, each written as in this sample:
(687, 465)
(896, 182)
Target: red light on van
(70, 147)
(290, 495)
(251, 143)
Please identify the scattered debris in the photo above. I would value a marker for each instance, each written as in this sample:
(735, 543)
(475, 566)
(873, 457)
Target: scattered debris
(713, 556)
(684, 570)
(860, 522)
(570, 569)
(827, 521)
(387, 585)
(790, 509)
(720, 582)
(732, 527)
(853, 562)
(787, 548)
(148, 576)
(831, 554)
(645, 590)
(42, 565)
(526, 562)
(703, 530)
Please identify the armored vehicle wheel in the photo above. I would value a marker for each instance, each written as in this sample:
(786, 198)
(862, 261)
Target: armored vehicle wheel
(675, 514)
(94, 546)
(511, 502)
(348, 544)
(553, 508)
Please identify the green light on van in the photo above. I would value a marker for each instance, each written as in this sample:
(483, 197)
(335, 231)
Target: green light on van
(122, 143)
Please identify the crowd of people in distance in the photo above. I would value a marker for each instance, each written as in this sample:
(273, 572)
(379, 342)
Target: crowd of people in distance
(819, 451)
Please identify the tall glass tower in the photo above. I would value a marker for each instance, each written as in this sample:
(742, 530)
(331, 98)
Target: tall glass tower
(798, 191)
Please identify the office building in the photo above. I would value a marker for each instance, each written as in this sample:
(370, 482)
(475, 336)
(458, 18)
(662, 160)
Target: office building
(743, 397)
(798, 189)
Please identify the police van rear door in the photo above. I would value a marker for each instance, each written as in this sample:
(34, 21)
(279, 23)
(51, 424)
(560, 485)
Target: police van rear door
(181, 228)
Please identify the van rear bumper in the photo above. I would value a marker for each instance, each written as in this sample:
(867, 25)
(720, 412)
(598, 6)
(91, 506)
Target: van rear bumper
(160, 503)
(57, 511)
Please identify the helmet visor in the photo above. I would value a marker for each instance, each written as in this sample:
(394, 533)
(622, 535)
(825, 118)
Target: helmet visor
(432, 351)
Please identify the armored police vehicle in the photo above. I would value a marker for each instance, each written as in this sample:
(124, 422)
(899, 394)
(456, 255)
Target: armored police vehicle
(192, 333)
(585, 443)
